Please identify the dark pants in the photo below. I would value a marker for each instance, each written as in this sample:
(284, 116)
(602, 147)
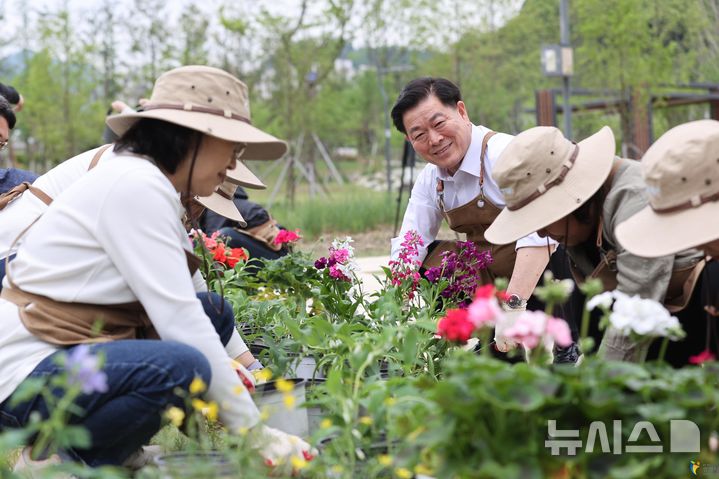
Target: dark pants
(255, 248)
(142, 376)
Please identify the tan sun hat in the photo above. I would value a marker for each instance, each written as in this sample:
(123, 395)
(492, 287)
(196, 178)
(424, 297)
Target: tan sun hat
(221, 201)
(545, 177)
(681, 170)
(241, 175)
(208, 100)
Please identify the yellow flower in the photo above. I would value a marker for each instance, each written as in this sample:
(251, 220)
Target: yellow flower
(298, 463)
(289, 401)
(390, 401)
(366, 420)
(197, 386)
(262, 375)
(199, 404)
(403, 473)
(422, 469)
(243, 431)
(175, 415)
(337, 469)
(211, 411)
(326, 423)
(385, 459)
(284, 386)
(239, 389)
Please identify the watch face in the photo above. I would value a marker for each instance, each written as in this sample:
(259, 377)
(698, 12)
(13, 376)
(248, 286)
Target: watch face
(514, 301)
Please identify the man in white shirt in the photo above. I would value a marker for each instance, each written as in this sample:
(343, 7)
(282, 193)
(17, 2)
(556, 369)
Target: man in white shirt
(457, 185)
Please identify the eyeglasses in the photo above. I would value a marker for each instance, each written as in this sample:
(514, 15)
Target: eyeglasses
(239, 151)
(3, 144)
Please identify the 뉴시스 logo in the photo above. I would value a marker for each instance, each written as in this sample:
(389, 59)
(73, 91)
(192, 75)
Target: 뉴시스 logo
(694, 467)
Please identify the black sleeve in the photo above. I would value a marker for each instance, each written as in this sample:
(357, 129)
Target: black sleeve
(10, 94)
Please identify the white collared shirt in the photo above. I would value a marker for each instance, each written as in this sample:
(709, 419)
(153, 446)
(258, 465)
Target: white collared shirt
(423, 213)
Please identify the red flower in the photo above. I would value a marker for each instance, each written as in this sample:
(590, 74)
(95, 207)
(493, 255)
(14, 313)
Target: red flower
(455, 326)
(219, 253)
(484, 292)
(488, 290)
(235, 256)
(703, 357)
(286, 236)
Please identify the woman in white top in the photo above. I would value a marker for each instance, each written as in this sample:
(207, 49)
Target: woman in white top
(115, 238)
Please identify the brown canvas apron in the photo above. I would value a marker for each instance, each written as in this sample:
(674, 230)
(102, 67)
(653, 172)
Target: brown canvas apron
(681, 284)
(473, 219)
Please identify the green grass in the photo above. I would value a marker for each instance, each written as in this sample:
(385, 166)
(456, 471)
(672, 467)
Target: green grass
(349, 209)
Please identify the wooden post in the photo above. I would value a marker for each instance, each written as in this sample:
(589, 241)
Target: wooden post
(639, 124)
(546, 111)
(714, 104)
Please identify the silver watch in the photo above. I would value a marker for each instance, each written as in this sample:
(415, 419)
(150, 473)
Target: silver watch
(515, 302)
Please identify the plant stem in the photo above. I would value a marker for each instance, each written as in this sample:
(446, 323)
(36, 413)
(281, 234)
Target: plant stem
(663, 349)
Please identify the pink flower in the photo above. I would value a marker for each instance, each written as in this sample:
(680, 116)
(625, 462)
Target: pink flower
(455, 326)
(340, 255)
(559, 331)
(287, 236)
(531, 327)
(703, 357)
(484, 312)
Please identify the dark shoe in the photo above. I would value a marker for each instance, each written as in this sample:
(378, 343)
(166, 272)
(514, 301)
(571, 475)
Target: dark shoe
(568, 355)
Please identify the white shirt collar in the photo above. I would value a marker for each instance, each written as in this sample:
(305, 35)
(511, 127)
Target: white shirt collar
(472, 162)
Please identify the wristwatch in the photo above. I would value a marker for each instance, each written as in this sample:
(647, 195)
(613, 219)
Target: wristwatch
(515, 302)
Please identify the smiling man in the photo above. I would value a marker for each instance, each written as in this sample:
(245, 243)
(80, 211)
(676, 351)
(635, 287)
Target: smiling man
(457, 186)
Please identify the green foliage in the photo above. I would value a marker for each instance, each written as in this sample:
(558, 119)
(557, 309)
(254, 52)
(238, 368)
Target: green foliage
(353, 210)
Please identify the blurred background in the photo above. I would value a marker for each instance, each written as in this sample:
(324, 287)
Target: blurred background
(323, 75)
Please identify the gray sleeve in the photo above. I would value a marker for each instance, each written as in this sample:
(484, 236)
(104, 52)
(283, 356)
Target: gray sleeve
(646, 277)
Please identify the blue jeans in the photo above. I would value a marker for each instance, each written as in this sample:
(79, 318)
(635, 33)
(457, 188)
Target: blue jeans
(142, 376)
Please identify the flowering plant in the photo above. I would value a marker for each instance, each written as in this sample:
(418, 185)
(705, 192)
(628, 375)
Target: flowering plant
(461, 268)
(340, 263)
(458, 325)
(221, 254)
(406, 269)
(287, 236)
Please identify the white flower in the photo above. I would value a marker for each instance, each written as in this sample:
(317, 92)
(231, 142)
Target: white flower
(644, 317)
(568, 285)
(604, 300)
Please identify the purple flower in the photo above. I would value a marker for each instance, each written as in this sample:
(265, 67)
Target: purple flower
(83, 369)
(433, 274)
(321, 263)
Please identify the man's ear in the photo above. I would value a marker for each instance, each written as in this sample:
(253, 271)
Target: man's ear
(462, 110)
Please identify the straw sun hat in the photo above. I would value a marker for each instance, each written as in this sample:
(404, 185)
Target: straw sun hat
(545, 177)
(681, 170)
(208, 100)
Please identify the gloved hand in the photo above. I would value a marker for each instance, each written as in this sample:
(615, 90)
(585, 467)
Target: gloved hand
(505, 322)
(280, 449)
(247, 378)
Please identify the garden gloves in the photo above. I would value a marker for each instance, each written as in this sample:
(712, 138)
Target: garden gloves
(507, 320)
(281, 450)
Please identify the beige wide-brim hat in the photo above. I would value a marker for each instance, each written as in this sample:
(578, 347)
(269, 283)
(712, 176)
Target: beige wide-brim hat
(221, 201)
(681, 170)
(545, 177)
(208, 100)
(241, 175)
